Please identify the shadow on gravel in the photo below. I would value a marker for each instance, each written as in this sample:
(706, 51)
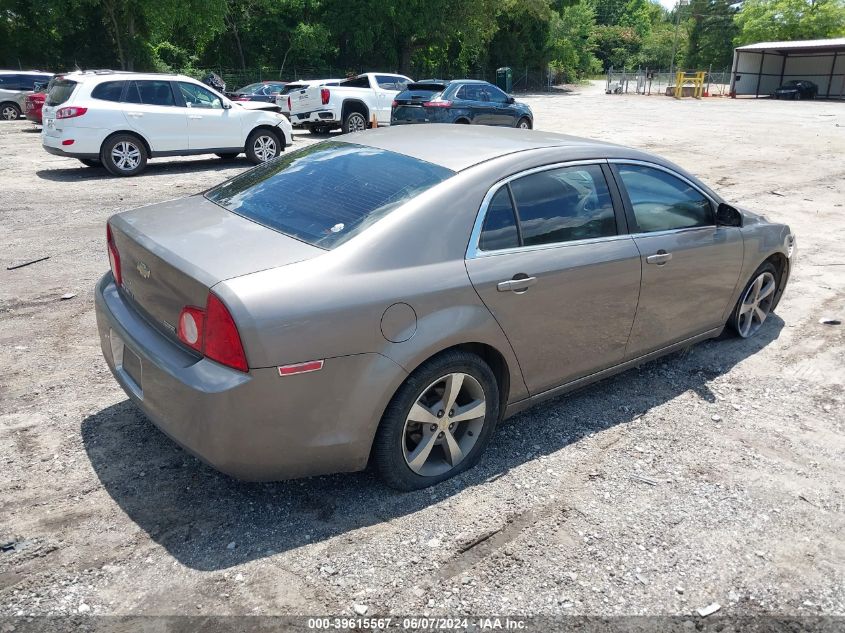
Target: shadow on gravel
(195, 512)
(81, 172)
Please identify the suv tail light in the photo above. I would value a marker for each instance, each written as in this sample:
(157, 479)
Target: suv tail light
(438, 104)
(114, 256)
(213, 333)
(290, 108)
(324, 95)
(70, 112)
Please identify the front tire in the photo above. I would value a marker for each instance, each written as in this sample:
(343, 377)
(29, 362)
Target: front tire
(354, 122)
(10, 112)
(124, 155)
(756, 301)
(524, 123)
(263, 145)
(438, 423)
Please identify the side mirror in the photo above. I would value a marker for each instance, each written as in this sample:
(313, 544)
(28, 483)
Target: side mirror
(227, 105)
(726, 215)
(511, 99)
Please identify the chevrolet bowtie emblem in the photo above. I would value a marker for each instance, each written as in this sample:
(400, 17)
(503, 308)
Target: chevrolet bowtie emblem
(143, 270)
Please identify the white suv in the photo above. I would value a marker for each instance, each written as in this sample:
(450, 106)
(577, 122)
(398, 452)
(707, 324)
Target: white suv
(119, 120)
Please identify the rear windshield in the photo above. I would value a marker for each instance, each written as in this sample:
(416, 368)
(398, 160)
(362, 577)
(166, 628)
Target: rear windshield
(420, 92)
(60, 91)
(326, 193)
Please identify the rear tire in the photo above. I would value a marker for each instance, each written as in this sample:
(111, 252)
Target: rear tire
(454, 446)
(228, 155)
(90, 162)
(354, 122)
(124, 155)
(10, 112)
(263, 145)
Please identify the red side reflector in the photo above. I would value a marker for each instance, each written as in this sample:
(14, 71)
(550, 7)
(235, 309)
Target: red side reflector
(301, 368)
(68, 141)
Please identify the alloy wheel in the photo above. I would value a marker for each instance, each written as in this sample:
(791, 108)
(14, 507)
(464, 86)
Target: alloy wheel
(444, 424)
(524, 125)
(356, 123)
(126, 155)
(9, 113)
(265, 147)
(756, 304)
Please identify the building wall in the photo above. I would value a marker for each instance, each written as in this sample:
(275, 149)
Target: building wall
(815, 68)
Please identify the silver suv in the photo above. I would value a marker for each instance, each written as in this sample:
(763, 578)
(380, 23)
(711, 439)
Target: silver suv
(15, 85)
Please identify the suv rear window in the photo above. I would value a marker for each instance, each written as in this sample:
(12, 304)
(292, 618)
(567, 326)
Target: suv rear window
(326, 193)
(60, 91)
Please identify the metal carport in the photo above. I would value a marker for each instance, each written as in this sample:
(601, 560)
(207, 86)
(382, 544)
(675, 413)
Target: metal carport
(758, 69)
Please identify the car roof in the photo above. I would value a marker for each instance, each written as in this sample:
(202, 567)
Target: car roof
(112, 75)
(24, 72)
(458, 147)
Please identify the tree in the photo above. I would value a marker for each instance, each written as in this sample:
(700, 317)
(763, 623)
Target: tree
(783, 20)
(572, 43)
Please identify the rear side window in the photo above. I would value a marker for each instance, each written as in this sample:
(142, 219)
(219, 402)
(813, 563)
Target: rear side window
(60, 91)
(108, 91)
(662, 202)
(150, 93)
(326, 193)
(562, 205)
(391, 82)
(499, 230)
(357, 82)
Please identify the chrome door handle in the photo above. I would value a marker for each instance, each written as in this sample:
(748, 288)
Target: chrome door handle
(516, 285)
(135, 115)
(659, 258)
(194, 116)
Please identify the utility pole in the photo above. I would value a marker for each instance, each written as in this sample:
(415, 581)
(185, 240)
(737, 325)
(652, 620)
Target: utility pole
(681, 3)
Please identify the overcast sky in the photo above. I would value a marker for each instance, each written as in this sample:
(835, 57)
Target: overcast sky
(669, 4)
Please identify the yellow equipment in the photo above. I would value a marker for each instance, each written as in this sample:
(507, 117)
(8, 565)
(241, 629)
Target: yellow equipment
(696, 80)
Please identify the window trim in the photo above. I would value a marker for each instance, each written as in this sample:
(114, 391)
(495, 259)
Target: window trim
(475, 252)
(629, 207)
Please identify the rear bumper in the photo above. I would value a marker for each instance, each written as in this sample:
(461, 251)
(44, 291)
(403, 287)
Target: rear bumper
(325, 117)
(86, 142)
(254, 426)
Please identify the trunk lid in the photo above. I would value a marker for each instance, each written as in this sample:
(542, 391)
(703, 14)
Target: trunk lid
(306, 100)
(408, 104)
(172, 253)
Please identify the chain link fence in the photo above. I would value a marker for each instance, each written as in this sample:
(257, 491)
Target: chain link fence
(524, 80)
(649, 81)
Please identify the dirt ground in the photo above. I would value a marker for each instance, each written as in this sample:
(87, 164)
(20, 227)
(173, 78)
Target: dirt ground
(740, 443)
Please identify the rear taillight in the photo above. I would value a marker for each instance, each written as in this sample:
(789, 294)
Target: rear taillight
(114, 256)
(324, 95)
(70, 112)
(438, 104)
(242, 99)
(394, 104)
(290, 108)
(213, 333)
(190, 329)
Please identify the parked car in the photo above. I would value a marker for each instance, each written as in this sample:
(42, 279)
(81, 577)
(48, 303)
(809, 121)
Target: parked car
(392, 295)
(283, 101)
(797, 89)
(119, 120)
(15, 85)
(459, 101)
(32, 106)
(266, 91)
(350, 106)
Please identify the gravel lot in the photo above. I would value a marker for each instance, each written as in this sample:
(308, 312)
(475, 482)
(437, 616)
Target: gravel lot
(741, 443)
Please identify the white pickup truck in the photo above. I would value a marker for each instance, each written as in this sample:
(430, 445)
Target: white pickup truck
(350, 105)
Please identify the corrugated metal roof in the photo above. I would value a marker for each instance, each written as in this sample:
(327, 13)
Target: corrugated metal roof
(833, 44)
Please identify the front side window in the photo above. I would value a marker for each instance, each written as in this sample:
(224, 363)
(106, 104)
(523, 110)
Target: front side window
(198, 97)
(495, 95)
(564, 204)
(328, 192)
(150, 93)
(9, 82)
(470, 92)
(499, 230)
(663, 202)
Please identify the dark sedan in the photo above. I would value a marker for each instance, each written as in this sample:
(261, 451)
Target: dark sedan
(459, 101)
(797, 89)
(262, 91)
